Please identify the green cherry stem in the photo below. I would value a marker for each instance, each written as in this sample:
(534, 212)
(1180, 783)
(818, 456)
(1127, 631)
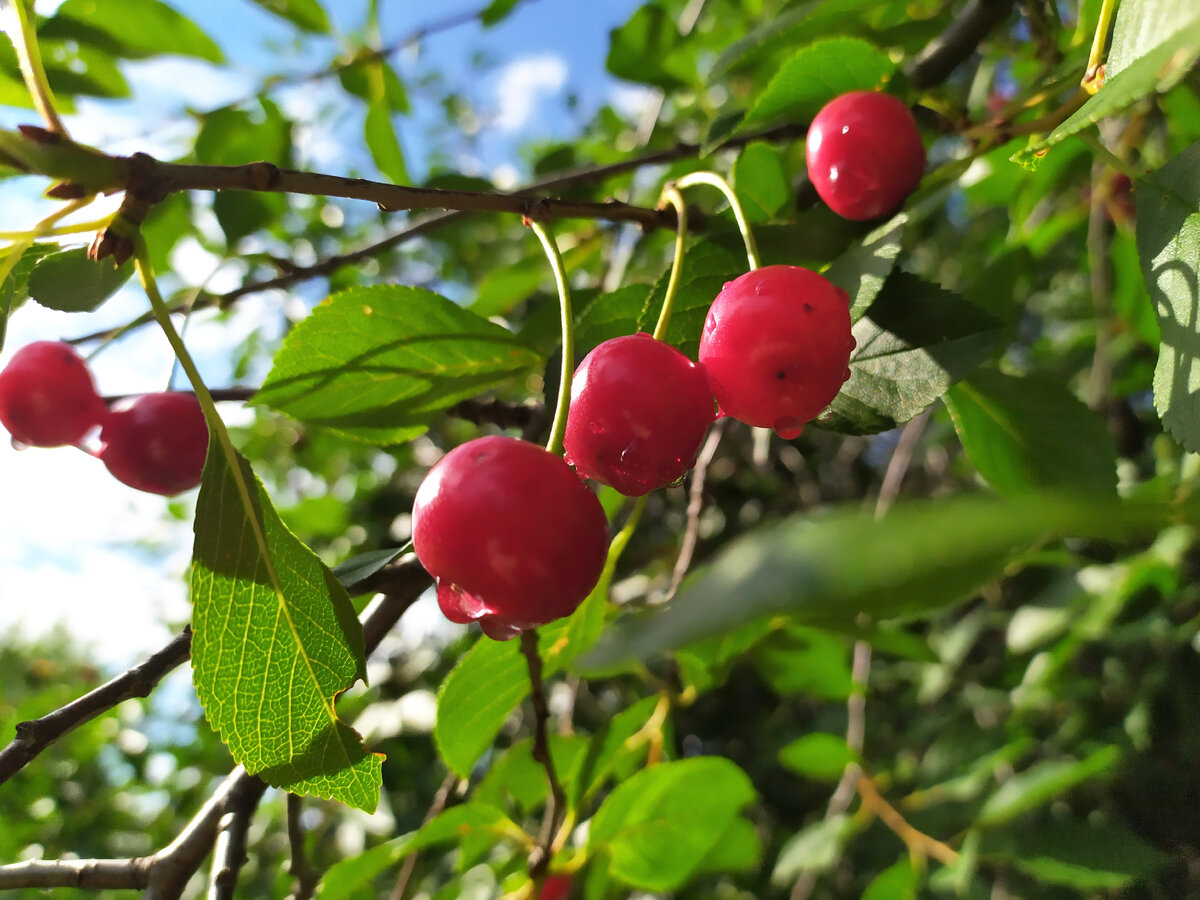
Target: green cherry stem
(559, 428)
(712, 179)
(671, 195)
(29, 58)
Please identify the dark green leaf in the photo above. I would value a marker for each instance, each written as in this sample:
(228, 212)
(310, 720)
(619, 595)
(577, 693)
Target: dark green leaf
(70, 282)
(761, 181)
(137, 28)
(610, 315)
(923, 557)
(649, 49)
(1030, 434)
(496, 11)
(658, 826)
(275, 641)
(818, 755)
(863, 270)
(358, 569)
(815, 75)
(378, 362)
(1168, 238)
(306, 14)
(914, 342)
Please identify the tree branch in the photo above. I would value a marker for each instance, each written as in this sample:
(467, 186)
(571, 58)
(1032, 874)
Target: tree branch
(954, 45)
(299, 867)
(35, 736)
(556, 804)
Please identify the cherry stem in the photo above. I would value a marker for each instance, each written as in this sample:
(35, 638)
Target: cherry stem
(29, 58)
(1093, 80)
(559, 427)
(712, 179)
(671, 195)
(557, 803)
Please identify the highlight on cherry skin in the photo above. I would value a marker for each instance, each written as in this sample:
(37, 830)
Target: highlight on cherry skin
(776, 346)
(864, 154)
(512, 536)
(639, 411)
(47, 396)
(156, 442)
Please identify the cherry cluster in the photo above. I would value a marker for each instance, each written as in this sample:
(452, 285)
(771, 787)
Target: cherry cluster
(510, 533)
(154, 442)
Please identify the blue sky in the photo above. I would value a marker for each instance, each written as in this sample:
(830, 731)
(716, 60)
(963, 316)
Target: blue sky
(107, 561)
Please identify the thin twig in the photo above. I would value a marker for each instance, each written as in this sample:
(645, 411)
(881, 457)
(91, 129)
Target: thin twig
(955, 45)
(440, 799)
(918, 842)
(299, 866)
(35, 736)
(687, 547)
(556, 804)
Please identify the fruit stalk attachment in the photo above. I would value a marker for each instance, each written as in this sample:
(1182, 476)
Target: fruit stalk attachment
(712, 179)
(559, 427)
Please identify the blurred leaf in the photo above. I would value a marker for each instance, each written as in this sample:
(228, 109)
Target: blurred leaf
(359, 568)
(610, 315)
(1156, 71)
(805, 661)
(863, 270)
(923, 557)
(1041, 783)
(1141, 26)
(135, 29)
(73, 71)
(815, 75)
(168, 223)
(738, 849)
(658, 826)
(1168, 238)
(611, 746)
(649, 49)
(913, 343)
(1076, 854)
(14, 289)
(761, 181)
(345, 879)
(380, 135)
(515, 776)
(1030, 434)
(378, 362)
(818, 755)
(497, 11)
(305, 14)
(813, 849)
(70, 282)
(506, 286)
(898, 881)
(275, 641)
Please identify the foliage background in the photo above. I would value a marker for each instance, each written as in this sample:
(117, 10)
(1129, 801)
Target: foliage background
(1030, 661)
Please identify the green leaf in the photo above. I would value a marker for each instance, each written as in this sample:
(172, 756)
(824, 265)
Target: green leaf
(1029, 434)
(923, 557)
(814, 849)
(378, 362)
(496, 12)
(346, 878)
(1168, 239)
(863, 270)
(761, 181)
(611, 749)
(82, 71)
(818, 755)
(1143, 25)
(649, 49)
(1156, 71)
(913, 343)
(14, 289)
(610, 315)
(898, 881)
(275, 641)
(70, 282)
(136, 29)
(1043, 782)
(515, 776)
(1077, 854)
(658, 826)
(305, 14)
(738, 849)
(358, 569)
(380, 135)
(815, 75)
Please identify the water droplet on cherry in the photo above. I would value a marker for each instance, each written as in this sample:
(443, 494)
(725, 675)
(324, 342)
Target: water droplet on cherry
(788, 428)
(457, 605)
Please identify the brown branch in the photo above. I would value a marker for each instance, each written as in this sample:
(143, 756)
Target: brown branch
(695, 506)
(229, 849)
(556, 804)
(955, 45)
(299, 867)
(35, 736)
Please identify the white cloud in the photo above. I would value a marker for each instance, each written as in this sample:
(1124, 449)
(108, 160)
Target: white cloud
(522, 84)
(631, 99)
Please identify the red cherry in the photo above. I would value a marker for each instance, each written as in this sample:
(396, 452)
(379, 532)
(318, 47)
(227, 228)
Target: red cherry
(156, 442)
(47, 398)
(639, 410)
(776, 345)
(555, 887)
(864, 154)
(512, 536)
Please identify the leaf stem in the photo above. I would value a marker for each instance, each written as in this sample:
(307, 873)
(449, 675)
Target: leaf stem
(557, 803)
(672, 196)
(712, 179)
(29, 58)
(559, 428)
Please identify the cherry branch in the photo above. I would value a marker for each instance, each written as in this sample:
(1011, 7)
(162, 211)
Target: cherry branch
(556, 804)
(35, 736)
(299, 867)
